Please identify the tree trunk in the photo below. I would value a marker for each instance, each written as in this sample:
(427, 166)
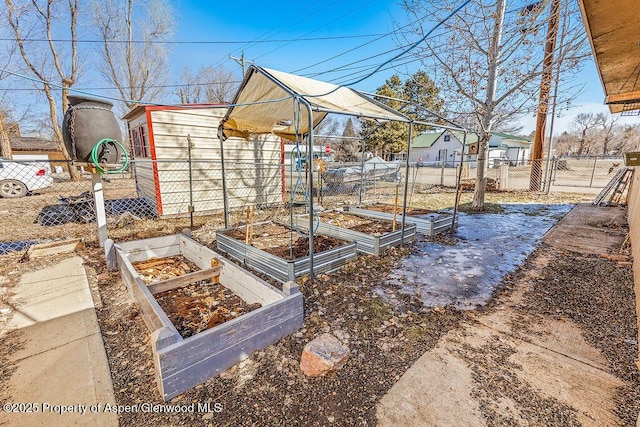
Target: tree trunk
(481, 175)
(488, 108)
(5, 143)
(74, 173)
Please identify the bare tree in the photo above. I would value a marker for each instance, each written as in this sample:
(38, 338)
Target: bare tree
(34, 15)
(5, 143)
(211, 85)
(134, 55)
(607, 132)
(584, 126)
(487, 61)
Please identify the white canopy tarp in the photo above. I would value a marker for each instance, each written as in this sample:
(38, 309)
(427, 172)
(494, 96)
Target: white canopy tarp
(268, 102)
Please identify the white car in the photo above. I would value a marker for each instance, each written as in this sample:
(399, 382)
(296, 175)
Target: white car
(19, 178)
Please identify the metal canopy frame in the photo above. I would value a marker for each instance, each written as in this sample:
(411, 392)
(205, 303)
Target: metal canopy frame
(302, 99)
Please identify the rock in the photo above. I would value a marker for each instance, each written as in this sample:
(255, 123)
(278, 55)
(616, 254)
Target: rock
(230, 373)
(104, 277)
(324, 354)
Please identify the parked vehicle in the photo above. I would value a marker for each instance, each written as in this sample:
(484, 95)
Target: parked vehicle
(19, 178)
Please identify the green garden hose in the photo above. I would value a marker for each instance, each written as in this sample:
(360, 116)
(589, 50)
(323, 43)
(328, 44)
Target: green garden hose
(96, 161)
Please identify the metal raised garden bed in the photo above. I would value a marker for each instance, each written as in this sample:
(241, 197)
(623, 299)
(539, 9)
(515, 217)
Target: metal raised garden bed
(279, 268)
(367, 243)
(426, 226)
(182, 363)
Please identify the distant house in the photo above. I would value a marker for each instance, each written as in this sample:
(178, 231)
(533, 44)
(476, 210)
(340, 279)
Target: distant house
(436, 148)
(37, 148)
(518, 148)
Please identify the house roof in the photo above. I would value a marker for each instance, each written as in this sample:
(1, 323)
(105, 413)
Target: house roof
(425, 140)
(32, 143)
(265, 103)
(512, 137)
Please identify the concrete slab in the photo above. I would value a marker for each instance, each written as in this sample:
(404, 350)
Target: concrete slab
(436, 391)
(589, 229)
(59, 364)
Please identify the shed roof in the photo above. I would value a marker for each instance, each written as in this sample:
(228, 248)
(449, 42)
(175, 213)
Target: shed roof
(266, 103)
(32, 143)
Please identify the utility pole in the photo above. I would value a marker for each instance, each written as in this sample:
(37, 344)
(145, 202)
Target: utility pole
(239, 61)
(543, 104)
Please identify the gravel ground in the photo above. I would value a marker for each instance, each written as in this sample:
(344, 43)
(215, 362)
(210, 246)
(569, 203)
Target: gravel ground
(384, 340)
(598, 295)
(269, 388)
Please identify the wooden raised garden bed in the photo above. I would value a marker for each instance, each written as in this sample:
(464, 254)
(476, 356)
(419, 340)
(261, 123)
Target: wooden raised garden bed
(373, 236)
(276, 251)
(221, 313)
(427, 222)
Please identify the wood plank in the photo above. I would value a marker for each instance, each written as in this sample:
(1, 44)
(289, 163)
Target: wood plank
(149, 244)
(178, 282)
(53, 248)
(622, 98)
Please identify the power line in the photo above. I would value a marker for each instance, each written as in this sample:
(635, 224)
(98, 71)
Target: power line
(303, 39)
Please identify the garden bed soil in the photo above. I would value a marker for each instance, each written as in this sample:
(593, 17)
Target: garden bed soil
(201, 306)
(196, 307)
(381, 207)
(358, 223)
(277, 239)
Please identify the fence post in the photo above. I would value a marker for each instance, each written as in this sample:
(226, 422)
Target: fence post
(98, 199)
(190, 181)
(551, 171)
(504, 177)
(442, 173)
(593, 171)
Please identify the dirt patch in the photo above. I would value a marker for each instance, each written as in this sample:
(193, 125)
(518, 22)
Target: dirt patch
(201, 306)
(411, 211)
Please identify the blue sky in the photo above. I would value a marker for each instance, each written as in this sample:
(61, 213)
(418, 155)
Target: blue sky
(287, 20)
(359, 33)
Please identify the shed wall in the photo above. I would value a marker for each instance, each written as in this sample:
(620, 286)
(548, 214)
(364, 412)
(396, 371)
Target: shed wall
(253, 169)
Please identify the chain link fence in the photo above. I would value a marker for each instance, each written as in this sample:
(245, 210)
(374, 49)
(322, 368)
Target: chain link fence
(40, 202)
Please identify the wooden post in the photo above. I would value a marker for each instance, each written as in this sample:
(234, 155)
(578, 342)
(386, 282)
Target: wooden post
(395, 210)
(246, 227)
(253, 218)
(98, 199)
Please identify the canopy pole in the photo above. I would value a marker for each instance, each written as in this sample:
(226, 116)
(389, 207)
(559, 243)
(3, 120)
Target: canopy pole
(310, 183)
(406, 184)
(458, 184)
(225, 202)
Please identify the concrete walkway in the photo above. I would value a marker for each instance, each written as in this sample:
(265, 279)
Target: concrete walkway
(59, 366)
(549, 361)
